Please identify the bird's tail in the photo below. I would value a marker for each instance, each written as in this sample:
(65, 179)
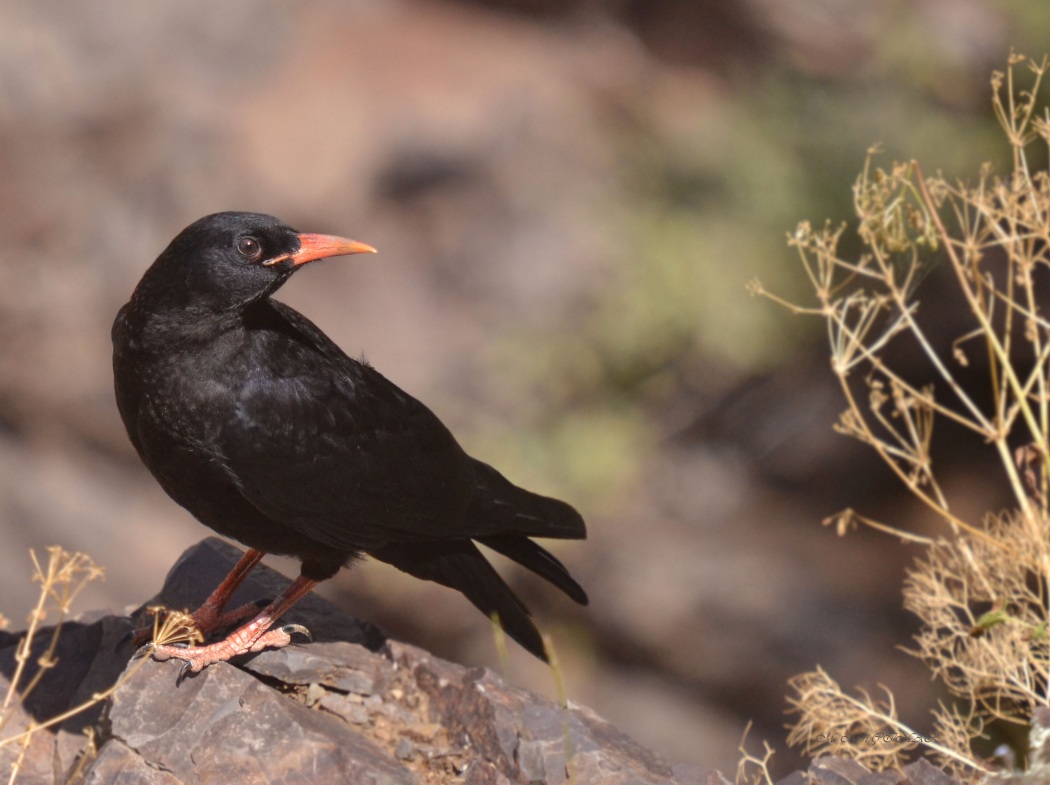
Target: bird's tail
(528, 554)
(461, 566)
(501, 516)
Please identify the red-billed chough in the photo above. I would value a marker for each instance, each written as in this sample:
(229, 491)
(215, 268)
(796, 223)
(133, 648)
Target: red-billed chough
(252, 419)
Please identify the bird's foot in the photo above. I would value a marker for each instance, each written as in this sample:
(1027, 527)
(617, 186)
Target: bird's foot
(254, 636)
(244, 641)
(208, 620)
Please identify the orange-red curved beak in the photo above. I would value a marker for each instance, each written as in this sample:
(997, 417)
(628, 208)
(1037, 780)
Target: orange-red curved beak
(321, 246)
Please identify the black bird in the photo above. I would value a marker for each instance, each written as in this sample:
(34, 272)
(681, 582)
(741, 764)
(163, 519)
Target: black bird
(252, 419)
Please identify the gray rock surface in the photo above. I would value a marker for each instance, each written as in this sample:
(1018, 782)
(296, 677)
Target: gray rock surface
(841, 771)
(352, 706)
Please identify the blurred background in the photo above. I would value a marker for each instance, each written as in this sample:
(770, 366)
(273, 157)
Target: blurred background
(569, 197)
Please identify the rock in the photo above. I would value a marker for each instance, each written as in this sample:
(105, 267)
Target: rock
(351, 706)
(830, 770)
(794, 778)
(524, 736)
(227, 724)
(836, 771)
(922, 772)
(688, 772)
(117, 764)
(336, 666)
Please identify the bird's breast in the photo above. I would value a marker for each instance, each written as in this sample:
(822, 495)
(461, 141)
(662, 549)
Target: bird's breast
(174, 400)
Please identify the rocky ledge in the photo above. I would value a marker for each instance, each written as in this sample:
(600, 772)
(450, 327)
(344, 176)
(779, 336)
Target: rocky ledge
(352, 706)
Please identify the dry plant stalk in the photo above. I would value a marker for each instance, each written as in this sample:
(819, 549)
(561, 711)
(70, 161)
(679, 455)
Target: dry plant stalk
(173, 626)
(982, 588)
(61, 579)
(753, 768)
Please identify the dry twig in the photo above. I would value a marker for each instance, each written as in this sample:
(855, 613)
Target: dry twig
(982, 589)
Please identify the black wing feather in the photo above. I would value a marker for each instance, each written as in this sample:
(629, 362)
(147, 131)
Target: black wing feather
(500, 507)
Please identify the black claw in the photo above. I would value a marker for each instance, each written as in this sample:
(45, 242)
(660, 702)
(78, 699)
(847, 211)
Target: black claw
(144, 650)
(292, 629)
(186, 669)
(262, 603)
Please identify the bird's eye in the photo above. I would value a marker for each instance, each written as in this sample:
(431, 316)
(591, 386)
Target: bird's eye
(249, 248)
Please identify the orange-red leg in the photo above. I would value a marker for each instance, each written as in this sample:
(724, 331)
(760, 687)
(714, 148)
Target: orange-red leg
(209, 616)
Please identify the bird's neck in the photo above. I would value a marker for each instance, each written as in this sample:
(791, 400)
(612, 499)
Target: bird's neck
(183, 295)
(159, 330)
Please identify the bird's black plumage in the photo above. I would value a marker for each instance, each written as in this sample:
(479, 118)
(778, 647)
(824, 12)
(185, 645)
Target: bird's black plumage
(252, 419)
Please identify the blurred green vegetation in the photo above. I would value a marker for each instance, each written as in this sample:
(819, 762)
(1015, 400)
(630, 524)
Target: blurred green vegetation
(700, 212)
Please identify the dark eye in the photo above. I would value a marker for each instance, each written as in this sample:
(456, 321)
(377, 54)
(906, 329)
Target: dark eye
(249, 248)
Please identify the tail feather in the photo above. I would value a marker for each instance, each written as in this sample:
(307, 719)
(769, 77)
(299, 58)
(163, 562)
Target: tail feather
(541, 561)
(501, 516)
(461, 566)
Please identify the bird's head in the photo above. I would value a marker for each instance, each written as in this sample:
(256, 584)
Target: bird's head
(226, 261)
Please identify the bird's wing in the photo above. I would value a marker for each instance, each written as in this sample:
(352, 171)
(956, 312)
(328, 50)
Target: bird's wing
(498, 506)
(328, 447)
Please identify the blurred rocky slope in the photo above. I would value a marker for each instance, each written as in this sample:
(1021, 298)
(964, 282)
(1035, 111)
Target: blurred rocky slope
(568, 200)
